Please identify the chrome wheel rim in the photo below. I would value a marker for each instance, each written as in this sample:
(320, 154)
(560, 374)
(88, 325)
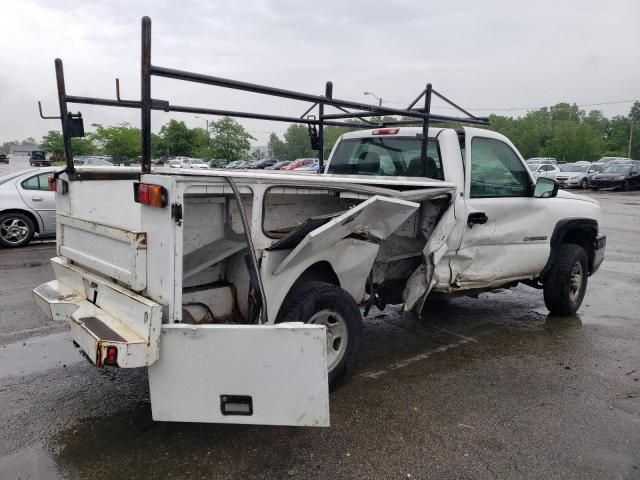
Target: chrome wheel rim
(575, 281)
(14, 230)
(337, 335)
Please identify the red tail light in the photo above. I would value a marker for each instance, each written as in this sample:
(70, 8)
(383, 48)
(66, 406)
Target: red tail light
(152, 195)
(386, 131)
(112, 356)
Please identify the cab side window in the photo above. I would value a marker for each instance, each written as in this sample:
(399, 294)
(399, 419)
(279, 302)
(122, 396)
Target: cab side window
(496, 170)
(37, 182)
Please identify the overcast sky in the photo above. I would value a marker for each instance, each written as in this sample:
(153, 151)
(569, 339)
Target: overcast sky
(483, 54)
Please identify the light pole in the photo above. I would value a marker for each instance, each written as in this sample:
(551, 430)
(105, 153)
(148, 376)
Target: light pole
(630, 139)
(207, 122)
(375, 96)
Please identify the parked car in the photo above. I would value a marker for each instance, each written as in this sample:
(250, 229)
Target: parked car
(577, 174)
(314, 168)
(39, 158)
(194, 163)
(27, 207)
(604, 161)
(546, 170)
(300, 163)
(622, 175)
(262, 164)
(174, 163)
(233, 164)
(550, 160)
(4, 158)
(97, 162)
(279, 165)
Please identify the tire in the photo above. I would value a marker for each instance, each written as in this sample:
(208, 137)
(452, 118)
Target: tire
(625, 186)
(566, 282)
(16, 230)
(584, 184)
(327, 304)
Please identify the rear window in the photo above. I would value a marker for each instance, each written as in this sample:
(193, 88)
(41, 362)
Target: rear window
(390, 156)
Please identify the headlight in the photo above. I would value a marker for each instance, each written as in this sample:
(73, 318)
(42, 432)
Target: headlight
(575, 177)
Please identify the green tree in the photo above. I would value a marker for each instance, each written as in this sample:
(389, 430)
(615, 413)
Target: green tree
(297, 142)
(175, 139)
(118, 141)
(52, 143)
(230, 141)
(276, 147)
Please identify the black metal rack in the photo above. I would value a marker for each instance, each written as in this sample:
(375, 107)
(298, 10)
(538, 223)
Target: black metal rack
(72, 124)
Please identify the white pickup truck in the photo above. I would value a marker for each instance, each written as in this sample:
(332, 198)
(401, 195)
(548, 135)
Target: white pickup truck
(240, 291)
(157, 273)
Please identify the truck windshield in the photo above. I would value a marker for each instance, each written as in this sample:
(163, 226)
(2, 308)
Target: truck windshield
(397, 156)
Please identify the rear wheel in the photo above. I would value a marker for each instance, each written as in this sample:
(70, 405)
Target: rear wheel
(566, 282)
(16, 229)
(326, 304)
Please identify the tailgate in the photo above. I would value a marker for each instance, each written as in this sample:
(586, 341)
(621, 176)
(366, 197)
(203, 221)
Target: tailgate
(115, 252)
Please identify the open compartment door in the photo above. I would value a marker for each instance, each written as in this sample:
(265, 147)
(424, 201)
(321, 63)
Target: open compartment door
(251, 374)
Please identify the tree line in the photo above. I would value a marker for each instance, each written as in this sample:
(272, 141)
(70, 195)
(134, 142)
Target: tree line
(226, 140)
(563, 131)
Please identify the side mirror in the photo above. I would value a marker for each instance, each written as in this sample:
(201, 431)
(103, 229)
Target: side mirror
(545, 188)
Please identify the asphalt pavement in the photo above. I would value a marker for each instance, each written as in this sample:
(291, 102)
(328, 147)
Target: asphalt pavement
(481, 388)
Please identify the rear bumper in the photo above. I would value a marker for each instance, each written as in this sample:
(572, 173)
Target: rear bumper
(102, 314)
(598, 257)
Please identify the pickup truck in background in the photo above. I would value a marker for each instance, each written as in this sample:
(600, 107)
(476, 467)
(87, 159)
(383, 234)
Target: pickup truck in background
(241, 291)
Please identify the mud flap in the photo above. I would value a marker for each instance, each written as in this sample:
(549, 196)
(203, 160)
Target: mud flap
(250, 374)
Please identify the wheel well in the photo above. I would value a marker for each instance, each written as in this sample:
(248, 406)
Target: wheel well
(318, 272)
(24, 212)
(585, 237)
(578, 231)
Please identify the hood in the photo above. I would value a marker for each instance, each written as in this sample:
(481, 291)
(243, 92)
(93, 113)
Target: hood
(573, 196)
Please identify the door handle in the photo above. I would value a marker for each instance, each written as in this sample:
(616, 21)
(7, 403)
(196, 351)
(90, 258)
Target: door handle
(36, 199)
(477, 218)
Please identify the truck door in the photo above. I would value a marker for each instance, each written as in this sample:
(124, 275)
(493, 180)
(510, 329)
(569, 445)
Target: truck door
(505, 237)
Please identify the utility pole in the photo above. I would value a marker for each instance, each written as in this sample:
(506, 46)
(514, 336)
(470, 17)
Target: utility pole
(630, 139)
(207, 123)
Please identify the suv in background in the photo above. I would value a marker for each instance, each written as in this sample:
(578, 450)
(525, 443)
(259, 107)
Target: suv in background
(4, 158)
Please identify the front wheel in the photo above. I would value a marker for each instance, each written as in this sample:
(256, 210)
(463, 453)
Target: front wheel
(566, 282)
(584, 184)
(625, 186)
(326, 304)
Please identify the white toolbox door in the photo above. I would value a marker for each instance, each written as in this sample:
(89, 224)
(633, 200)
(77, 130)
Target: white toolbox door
(252, 374)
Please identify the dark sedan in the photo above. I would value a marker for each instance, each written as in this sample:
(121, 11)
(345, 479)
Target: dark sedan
(622, 176)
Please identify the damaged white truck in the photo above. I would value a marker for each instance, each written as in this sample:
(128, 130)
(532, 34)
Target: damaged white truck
(241, 291)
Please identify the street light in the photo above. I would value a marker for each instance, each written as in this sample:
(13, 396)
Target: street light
(206, 120)
(375, 96)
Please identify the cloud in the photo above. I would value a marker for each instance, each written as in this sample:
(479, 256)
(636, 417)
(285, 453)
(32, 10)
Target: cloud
(491, 54)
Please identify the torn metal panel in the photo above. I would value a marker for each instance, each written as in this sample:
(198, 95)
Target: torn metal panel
(376, 218)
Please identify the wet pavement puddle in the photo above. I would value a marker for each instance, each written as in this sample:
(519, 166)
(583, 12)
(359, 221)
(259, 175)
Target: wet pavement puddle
(29, 463)
(38, 354)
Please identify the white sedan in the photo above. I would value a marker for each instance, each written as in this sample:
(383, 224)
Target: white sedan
(27, 207)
